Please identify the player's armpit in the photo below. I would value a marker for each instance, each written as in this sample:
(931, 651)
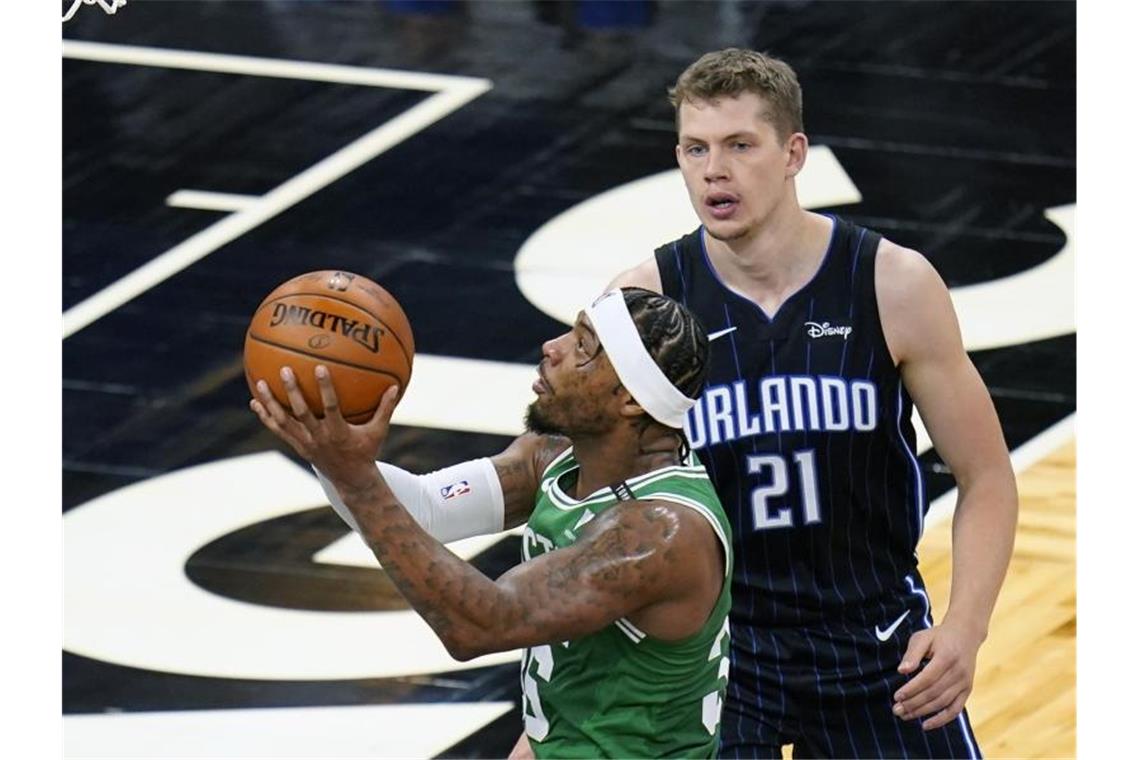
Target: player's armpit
(520, 467)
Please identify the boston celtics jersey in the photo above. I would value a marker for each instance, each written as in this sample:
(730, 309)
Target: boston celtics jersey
(620, 692)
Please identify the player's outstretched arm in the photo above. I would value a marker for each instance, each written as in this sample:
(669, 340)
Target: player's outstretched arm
(923, 335)
(656, 562)
(637, 558)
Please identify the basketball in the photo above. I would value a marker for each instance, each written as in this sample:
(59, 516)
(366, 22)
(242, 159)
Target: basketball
(341, 320)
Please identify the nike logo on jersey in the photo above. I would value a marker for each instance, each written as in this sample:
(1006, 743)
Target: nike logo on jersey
(572, 533)
(585, 518)
(827, 330)
(884, 635)
(720, 333)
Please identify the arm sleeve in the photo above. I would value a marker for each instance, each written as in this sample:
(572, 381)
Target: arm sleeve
(456, 502)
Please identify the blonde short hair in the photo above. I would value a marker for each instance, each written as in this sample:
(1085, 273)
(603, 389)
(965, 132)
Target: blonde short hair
(731, 72)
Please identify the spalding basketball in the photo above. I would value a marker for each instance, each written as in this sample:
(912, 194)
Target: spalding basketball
(341, 320)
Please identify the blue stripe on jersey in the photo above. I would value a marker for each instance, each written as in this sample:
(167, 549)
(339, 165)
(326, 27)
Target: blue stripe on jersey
(851, 433)
(920, 495)
(819, 690)
(921, 593)
(971, 743)
(867, 480)
(843, 694)
(855, 260)
(743, 554)
(888, 518)
(928, 622)
(680, 272)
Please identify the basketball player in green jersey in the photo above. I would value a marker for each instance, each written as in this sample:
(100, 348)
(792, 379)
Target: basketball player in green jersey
(621, 601)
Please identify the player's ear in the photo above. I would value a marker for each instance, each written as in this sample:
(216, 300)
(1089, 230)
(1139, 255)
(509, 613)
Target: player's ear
(797, 148)
(629, 408)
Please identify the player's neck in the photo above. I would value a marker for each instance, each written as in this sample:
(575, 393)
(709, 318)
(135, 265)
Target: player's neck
(778, 259)
(607, 461)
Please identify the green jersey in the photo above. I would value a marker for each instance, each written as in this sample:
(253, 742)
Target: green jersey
(619, 692)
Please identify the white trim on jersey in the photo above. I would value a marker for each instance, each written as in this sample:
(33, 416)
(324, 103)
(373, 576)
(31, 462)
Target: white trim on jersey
(560, 499)
(634, 633)
(558, 460)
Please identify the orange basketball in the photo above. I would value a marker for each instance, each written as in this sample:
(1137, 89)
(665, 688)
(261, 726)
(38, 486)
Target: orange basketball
(341, 320)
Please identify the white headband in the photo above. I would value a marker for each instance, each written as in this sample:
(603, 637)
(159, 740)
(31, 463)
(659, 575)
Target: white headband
(636, 369)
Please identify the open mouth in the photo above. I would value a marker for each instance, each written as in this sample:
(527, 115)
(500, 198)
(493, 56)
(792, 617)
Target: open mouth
(721, 204)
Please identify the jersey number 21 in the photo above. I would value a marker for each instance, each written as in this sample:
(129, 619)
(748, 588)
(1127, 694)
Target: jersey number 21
(772, 469)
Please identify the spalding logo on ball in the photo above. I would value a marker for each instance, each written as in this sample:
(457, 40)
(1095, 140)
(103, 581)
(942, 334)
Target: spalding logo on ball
(341, 320)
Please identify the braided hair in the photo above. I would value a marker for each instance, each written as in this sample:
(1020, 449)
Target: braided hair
(674, 337)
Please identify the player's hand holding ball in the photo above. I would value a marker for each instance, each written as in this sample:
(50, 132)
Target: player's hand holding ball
(317, 333)
(344, 452)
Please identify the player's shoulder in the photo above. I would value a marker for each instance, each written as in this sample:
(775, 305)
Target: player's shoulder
(915, 308)
(535, 451)
(900, 262)
(644, 275)
(659, 522)
(648, 274)
(903, 276)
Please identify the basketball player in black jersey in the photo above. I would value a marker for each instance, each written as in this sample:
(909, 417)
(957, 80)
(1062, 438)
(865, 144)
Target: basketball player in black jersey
(823, 335)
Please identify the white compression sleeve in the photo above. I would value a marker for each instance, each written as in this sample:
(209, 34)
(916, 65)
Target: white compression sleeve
(456, 502)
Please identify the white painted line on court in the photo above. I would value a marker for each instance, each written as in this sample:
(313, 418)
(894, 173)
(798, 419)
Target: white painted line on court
(1036, 304)
(351, 549)
(404, 730)
(472, 395)
(1023, 457)
(128, 600)
(207, 201)
(455, 93)
(268, 67)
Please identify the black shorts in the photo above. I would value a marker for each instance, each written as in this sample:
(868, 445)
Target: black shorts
(829, 691)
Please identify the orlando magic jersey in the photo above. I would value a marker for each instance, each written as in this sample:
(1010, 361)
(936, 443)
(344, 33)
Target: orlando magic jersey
(804, 426)
(620, 692)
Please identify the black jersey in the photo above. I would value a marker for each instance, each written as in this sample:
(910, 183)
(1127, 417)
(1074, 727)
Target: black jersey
(804, 427)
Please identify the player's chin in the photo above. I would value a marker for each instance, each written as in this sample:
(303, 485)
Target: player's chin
(538, 420)
(726, 230)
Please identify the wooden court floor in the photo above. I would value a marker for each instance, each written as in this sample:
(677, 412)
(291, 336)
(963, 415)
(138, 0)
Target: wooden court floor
(1024, 702)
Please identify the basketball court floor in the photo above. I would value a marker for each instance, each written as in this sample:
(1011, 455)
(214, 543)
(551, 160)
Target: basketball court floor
(492, 164)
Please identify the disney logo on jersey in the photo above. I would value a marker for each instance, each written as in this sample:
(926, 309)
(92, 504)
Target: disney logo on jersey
(827, 330)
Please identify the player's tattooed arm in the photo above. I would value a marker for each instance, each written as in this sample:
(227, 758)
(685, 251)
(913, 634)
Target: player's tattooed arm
(654, 562)
(520, 469)
(651, 561)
